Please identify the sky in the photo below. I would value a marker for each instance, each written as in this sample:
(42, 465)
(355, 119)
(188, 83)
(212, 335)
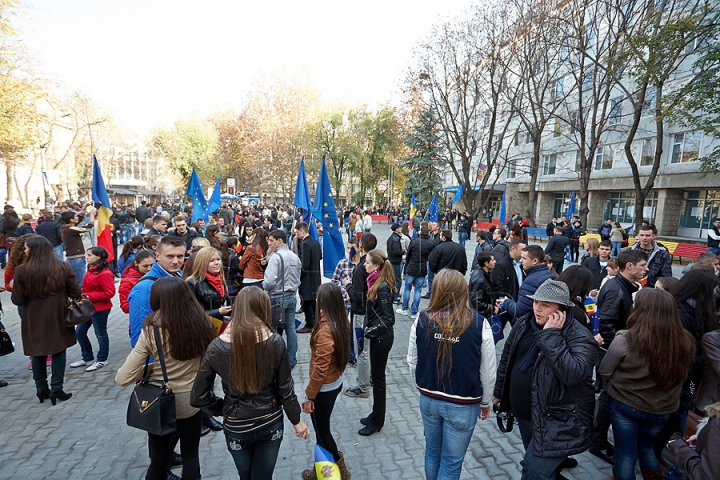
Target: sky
(151, 62)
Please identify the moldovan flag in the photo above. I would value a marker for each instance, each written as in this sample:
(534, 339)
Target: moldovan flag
(104, 211)
(325, 466)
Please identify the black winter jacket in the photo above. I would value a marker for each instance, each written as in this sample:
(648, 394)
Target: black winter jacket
(380, 315)
(501, 249)
(417, 255)
(357, 290)
(535, 277)
(593, 264)
(277, 389)
(208, 297)
(556, 248)
(504, 279)
(448, 255)
(658, 263)
(615, 303)
(563, 396)
(482, 298)
(394, 249)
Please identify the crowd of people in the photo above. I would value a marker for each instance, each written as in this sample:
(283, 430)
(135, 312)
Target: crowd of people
(611, 340)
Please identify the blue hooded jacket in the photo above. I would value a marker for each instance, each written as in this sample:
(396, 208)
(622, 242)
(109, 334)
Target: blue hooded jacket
(139, 301)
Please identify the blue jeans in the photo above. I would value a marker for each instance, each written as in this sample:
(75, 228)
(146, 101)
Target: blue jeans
(534, 467)
(79, 266)
(255, 453)
(567, 255)
(462, 238)
(634, 432)
(430, 278)
(59, 250)
(617, 249)
(289, 303)
(3, 257)
(397, 272)
(448, 430)
(714, 250)
(418, 282)
(99, 323)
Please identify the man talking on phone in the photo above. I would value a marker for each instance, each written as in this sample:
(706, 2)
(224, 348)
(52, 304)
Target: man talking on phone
(545, 380)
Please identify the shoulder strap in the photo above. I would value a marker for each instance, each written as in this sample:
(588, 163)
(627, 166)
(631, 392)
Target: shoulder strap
(282, 272)
(158, 344)
(146, 278)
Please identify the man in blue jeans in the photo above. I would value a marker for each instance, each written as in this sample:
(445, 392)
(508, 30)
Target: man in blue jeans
(71, 235)
(416, 261)
(281, 283)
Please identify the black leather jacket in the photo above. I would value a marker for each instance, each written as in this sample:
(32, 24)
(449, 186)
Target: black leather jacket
(563, 396)
(482, 298)
(277, 389)
(208, 297)
(380, 315)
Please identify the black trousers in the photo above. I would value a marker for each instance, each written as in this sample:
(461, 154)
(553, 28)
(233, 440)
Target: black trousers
(308, 307)
(163, 446)
(379, 352)
(603, 422)
(574, 250)
(324, 404)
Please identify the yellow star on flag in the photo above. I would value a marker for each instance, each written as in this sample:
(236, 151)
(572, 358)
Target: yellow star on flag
(330, 194)
(326, 216)
(324, 204)
(330, 225)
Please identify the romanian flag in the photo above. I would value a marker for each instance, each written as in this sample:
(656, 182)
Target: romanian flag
(413, 207)
(104, 211)
(325, 466)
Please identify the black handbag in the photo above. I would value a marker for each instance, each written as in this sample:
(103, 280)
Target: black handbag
(6, 344)
(277, 310)
(79, 311)
(152, 406)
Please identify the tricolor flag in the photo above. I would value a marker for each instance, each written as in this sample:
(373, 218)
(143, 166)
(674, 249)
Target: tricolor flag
(104, 211)
(413, 207)
(325, 466)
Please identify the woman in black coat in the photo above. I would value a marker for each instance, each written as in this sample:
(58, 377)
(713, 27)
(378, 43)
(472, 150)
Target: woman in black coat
(482, 298)
(379, 333)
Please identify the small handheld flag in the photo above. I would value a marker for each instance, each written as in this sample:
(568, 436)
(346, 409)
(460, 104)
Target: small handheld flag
(413, 207)
(325, 466)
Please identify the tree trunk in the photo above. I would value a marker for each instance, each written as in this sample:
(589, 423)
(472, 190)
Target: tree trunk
(10, 173)
(532, 194)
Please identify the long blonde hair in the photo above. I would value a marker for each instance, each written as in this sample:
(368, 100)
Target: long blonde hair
(201, 262)
(385, 274)
(593, 246)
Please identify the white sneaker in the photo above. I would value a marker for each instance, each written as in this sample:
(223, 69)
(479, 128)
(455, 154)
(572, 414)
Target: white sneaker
(401, 311)
(80, 363)
(95, 366)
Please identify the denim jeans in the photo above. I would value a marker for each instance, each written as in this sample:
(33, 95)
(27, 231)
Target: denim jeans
(363, 358)
(162, 447)
(99, 323)
(448, 429)
(534, 467)
(430, 278)
(3, 257)
(617, 249)
(411, 281)
(634, 432)
(57, 371)
(79, 266)
(462, 238)
(397, 271)
(59, 250)
(255, 453)
(714, 250)
(289, 303)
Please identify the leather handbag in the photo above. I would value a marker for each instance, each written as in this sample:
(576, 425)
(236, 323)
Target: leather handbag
(79, 311)
(505, 420)
(152, 405)
(691, 424)
(277, 310)
(6, 344)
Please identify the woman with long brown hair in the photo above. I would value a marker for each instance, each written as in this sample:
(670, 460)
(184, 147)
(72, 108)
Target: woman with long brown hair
(250, 264)
(329, 353)
(379, 332)
(185, 332)
(214, 236)
(42, 286)
(645, 368)
(452, 356)
(252, 362)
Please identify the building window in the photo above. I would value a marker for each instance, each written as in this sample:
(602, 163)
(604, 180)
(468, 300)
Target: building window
(528, 138)
(648, 108)
(604, 157)
(488, 116)
(578, 160)
(511, 169)
(516, 138)
(564, 49)
(686, 147)
(590, 35)
(647, 153)
(561, 204)
(548, 167)
(616, 111)
(587, 81)
(620, 207)
(699, 209)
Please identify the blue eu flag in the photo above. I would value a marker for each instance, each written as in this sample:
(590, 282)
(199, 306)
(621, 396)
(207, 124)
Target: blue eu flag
(324, 210)
(199, 204)
(432, 213)
(302, 200)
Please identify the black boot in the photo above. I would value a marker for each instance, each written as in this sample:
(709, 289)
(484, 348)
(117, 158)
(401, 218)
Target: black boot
(210, 422)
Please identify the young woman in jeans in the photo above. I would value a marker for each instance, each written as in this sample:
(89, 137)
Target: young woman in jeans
(329, 353)
(185, 332)
(452, 356)
(252, 362)
(379, 333)
(99, 286)
(645, 368)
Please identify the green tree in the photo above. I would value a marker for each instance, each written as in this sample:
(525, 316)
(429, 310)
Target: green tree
(424, 146)
(189, 144)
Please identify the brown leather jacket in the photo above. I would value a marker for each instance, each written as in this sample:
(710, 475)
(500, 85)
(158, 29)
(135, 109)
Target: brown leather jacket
(322, 359)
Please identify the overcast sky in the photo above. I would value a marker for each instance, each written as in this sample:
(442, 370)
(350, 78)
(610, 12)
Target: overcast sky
(150, 62)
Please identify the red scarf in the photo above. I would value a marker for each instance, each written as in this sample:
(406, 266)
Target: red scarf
(217, 283)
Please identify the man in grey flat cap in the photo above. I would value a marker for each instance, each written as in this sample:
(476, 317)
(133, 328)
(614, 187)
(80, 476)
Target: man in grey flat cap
(544, 379)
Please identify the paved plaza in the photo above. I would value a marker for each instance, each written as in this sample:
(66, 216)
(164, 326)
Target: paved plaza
(86, 436)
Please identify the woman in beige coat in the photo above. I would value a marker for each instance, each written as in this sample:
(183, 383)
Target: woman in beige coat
(185, 331)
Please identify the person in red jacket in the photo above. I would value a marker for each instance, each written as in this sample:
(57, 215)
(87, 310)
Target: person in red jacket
(142, 263)
(99, 286)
